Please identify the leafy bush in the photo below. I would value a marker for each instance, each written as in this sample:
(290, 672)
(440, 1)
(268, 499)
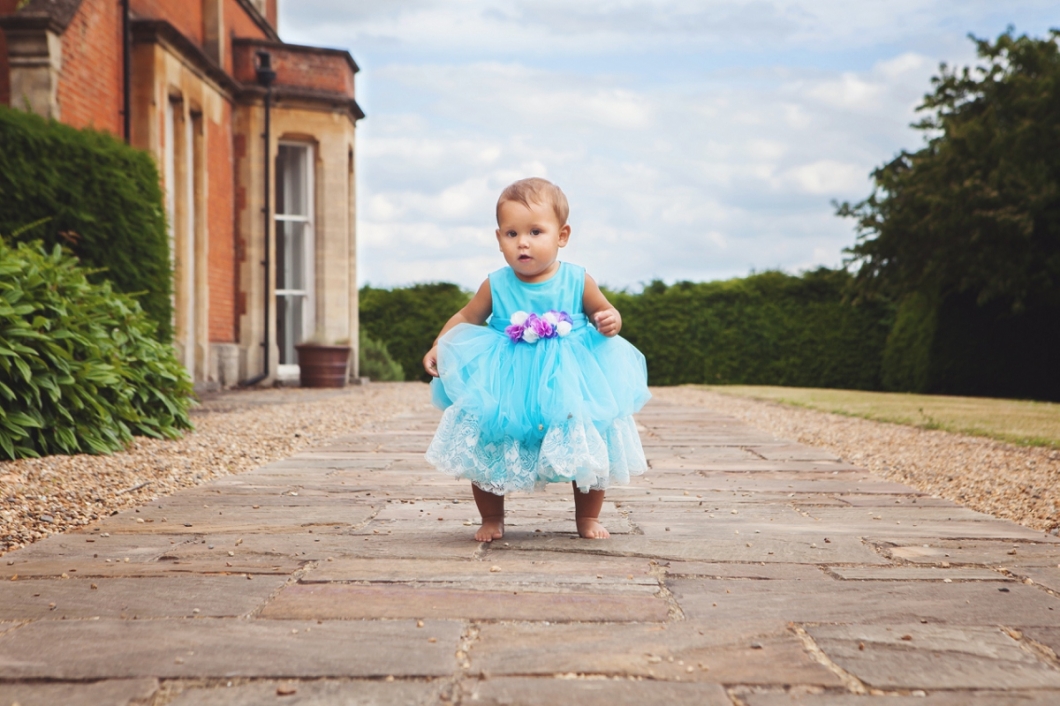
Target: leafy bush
(81, 369)
(101, 198)
(376, 363)
(407, 319)
(766, 329)
(907, 354)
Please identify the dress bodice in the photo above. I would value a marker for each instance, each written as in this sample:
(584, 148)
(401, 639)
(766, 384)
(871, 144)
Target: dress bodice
(561, 292)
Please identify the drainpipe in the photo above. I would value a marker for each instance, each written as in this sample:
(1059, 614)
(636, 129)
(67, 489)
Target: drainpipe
(266, 76)
(126, 70)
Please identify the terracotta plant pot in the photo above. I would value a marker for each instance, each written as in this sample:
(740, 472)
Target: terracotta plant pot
(323, 366)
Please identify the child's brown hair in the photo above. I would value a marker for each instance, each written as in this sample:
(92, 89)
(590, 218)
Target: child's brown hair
(538, 191)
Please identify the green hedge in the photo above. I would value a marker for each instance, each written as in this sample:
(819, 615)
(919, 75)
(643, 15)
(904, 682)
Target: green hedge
(102, 200)
(81, 369)
(765, 329)
(407, 319)
(375, 362)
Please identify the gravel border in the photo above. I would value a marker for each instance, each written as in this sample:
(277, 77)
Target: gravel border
(1019, 483)
(235, 431)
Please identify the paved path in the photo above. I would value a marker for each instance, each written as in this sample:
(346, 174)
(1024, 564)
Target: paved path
(742, 570)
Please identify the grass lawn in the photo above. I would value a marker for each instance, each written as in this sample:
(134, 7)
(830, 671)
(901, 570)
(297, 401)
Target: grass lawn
(1016, 421)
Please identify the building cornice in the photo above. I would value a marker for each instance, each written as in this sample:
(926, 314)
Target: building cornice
(266, 44)
(162, 32)
(318, 100)
(51, 15)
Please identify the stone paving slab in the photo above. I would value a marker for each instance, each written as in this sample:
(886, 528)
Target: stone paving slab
(918, 656)
(200, 520)
(84, 545)
(914, 573)
(315, 693)
(1046, 576)
(711, 549)
(674, 653)
(166, 566)
(1048, 636)
(344, 602)
(742, 569)
(933, 550)
(174, 596)
(527, 691)
(728, 601)
(558, 568)
(112, 692)
(939, 698)
(109, 649)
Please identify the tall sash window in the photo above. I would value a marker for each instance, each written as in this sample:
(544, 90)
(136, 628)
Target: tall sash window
(294, 249)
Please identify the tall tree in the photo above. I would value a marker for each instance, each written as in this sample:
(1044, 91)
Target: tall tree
(976, 212)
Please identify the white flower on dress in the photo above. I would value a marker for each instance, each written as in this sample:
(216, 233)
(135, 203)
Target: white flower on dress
(530, 335)
(519, 318)
(551, 317)
(563, 328)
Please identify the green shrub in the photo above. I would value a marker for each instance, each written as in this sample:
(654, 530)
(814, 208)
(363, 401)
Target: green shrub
(376, 363)
(766, 329)
(81, 369)
(102, 200)
(407, 319)
(907, 354)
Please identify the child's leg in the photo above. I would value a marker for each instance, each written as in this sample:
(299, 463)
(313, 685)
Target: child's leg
(491, 507)
(587, 508)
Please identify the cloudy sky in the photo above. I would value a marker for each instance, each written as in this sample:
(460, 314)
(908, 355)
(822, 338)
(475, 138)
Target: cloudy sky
(695, 139)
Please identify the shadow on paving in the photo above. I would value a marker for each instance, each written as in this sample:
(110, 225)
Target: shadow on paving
(742, 569)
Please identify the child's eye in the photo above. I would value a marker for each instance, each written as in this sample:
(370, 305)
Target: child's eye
(511, 234)
(535, 231)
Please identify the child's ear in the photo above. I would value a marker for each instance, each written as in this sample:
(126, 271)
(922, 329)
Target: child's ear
(499, 239)
(564, 235)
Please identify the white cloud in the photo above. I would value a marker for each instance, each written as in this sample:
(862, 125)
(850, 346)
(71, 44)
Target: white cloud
(828, 177)
(695, 140)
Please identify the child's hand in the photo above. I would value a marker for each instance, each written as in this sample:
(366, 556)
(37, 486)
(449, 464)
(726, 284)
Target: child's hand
(430, 361)
(608, 321)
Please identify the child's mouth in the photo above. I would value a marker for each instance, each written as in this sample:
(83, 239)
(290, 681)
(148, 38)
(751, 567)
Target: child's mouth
(523, 258)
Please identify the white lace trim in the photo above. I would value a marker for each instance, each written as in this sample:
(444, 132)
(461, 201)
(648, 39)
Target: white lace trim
(572, 451)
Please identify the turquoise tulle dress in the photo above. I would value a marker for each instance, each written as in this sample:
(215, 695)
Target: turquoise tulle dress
(519, 415)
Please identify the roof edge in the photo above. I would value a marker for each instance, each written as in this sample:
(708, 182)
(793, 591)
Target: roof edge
(345, 54)
(260, 20)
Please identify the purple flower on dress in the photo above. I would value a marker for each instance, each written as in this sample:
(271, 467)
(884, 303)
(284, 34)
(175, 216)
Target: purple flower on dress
(530, 328)
(514, 332)
(540, 326)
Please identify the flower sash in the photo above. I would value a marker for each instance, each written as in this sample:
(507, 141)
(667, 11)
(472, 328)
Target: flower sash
(531, 328)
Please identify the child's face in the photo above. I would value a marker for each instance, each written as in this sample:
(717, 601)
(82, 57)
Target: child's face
(530, 239)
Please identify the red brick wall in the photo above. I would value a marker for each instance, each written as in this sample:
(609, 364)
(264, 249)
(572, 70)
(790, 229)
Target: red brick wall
(221, 215)
(185, 15)
(294, 67)
(90, 90)
(238, 24)
(271, 13)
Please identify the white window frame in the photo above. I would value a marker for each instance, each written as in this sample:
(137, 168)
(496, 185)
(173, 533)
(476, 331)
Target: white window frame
(290, 370)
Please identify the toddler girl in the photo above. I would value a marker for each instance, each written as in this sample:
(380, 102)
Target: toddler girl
(537, 396)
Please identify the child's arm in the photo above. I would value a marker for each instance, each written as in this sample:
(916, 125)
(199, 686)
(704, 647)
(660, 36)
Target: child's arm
(606, 317)
(475, 312)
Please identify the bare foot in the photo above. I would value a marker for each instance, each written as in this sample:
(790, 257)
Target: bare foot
(590, 528)
(492, 528)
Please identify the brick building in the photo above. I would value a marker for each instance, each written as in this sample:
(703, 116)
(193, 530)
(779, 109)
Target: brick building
(264, 248)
